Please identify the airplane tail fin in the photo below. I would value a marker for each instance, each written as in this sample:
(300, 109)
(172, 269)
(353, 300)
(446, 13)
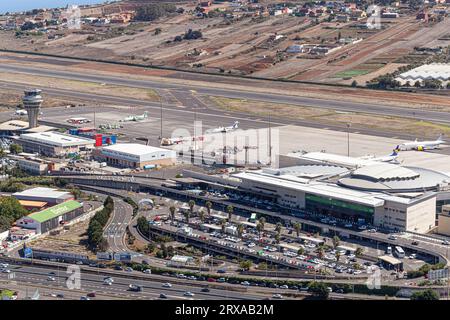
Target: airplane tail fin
(396, 149)
(235, 124)
(394, 152)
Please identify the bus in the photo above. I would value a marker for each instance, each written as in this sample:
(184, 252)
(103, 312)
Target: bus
(399, 252)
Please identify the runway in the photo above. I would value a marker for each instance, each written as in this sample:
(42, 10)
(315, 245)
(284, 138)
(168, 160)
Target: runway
(345, 106)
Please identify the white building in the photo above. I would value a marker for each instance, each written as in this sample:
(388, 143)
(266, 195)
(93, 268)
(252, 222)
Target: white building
(133, 155)
(54, 143)
(51, 196)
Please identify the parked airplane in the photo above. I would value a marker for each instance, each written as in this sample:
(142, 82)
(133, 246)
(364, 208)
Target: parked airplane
(136, 118)
(390, 158)
(421, 145)
(224, 129)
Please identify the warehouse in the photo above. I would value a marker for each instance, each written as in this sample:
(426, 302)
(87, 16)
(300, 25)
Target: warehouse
(54, 144)
(47, 195)
(51, 218)
(133, 155)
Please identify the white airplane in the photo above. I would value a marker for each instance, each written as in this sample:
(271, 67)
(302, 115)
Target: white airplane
(224, 129)
(390, 158)
(21, 112)
(421, 145)
(136, 118)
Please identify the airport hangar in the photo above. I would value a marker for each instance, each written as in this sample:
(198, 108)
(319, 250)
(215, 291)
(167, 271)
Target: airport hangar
(384, 194)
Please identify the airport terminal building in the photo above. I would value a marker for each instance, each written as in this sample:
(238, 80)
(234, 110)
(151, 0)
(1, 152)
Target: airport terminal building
(384, 194)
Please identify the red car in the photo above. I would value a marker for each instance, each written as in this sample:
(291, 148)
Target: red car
(91, 295)
(211, 280)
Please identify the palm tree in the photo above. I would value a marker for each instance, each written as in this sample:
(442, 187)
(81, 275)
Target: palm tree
(191, 205)
(230, 212)
(187, 215)
(338, 256)
(320, 252)
(278, 228)
(201, 215)
(172, 213)
(208, 207)
(277, 238)
(297, 228)
(359, 251)
(262, 221)
(240, 229)
(336, 241)
(259, 228)
(223, 224)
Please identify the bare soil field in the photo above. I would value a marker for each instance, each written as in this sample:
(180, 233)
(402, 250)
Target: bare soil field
(91, 87)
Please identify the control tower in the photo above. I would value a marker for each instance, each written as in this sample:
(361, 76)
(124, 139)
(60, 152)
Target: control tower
(32, 102)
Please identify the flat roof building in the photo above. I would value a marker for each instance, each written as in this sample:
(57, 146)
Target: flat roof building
(51, 218)
(54, 144)
(17, 127)
(48, 195)
(134, 155)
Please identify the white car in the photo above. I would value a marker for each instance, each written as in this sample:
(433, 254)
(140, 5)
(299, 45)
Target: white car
(51, 279)
(188, 294)
(245, 283)
(4, 265)
(167, 285)
(6, 271)
(251, 245)
(147, 271)
(277, 296)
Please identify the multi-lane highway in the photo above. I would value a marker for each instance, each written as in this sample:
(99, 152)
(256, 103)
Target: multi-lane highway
(336, 104)
(61, 280)
(115, 229)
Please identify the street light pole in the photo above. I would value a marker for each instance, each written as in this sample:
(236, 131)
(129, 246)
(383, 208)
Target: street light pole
(348, 139)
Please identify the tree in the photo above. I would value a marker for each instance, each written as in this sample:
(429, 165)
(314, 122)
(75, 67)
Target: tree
(262, 266)
(354, 84)
(187, 215)
(338, 256)
(262, 221)
(223, 225)
(201, 215)
(154, 11)
(230, 210)
(15, 148)
(277, 238)
(425, 295)
(208, 207)
(191, 205)
(278, 228)
(448, 85)
(172, 210)
(318, 289)
(142, 226)
(359, 251)
(297, 228)
(320, 252)
(301, 251)
(240, 229)
(417, 84)
(157, 31)
(336, 241)
(10, 211)
(245, 264)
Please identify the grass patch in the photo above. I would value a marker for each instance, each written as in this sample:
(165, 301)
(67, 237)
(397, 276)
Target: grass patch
(351, 73)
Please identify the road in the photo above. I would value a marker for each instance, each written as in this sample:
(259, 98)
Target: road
(91, 282)
(115, 229)
(337, 104)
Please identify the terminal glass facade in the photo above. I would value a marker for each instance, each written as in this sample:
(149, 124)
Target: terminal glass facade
(338, 208)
